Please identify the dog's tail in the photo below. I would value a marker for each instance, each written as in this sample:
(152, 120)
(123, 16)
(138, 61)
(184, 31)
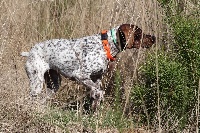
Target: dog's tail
(25, 54)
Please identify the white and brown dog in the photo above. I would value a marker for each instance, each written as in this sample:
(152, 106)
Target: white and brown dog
(84, 59)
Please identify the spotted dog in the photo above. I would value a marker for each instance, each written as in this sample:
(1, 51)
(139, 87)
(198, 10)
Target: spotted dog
(84, 59)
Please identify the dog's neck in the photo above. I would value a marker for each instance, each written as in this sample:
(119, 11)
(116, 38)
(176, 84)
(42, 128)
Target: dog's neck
(112, 39)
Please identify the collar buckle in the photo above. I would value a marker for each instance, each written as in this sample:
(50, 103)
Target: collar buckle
(104, 35)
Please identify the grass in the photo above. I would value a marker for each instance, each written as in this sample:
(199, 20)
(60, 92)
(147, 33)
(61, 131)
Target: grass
(105, 119)
(26, 22)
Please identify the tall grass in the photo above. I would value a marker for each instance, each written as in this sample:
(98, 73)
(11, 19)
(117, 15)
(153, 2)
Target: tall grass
(26, 22)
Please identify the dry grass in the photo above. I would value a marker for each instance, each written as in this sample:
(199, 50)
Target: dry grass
(25, 22)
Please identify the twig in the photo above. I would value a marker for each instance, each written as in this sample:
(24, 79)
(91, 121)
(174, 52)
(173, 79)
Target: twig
(198, 96)
(77, 99)
(24, 126)
(157, 77)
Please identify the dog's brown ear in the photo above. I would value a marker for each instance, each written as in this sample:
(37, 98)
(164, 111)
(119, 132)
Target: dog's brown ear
(125, 35)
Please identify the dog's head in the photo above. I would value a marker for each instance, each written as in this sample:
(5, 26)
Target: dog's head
(131, 36)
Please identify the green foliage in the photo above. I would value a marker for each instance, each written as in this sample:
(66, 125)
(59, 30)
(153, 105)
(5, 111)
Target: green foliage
(107, 118)
(175, 94)
(114, 117)
(178, 73)
(187, 38)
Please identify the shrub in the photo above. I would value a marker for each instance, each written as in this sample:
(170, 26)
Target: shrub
(178, 75)
(187, 39)
(176, 96)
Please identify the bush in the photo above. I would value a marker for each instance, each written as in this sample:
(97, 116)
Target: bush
(178, 75)
(176, 96)
(187, 39)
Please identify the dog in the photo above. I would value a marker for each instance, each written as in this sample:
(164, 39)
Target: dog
(84, 59)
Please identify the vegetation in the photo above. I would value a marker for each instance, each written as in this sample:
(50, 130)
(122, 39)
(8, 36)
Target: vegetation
(175, 75)
(151, 90)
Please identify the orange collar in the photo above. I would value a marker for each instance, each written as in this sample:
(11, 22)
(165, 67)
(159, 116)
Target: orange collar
(106, 46)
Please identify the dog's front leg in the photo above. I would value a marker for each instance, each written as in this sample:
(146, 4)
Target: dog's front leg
(96, 93)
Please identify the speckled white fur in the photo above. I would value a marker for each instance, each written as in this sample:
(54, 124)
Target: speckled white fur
(75, 58)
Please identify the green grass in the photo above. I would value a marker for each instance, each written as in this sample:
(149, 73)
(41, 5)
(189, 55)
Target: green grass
(104, 119)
